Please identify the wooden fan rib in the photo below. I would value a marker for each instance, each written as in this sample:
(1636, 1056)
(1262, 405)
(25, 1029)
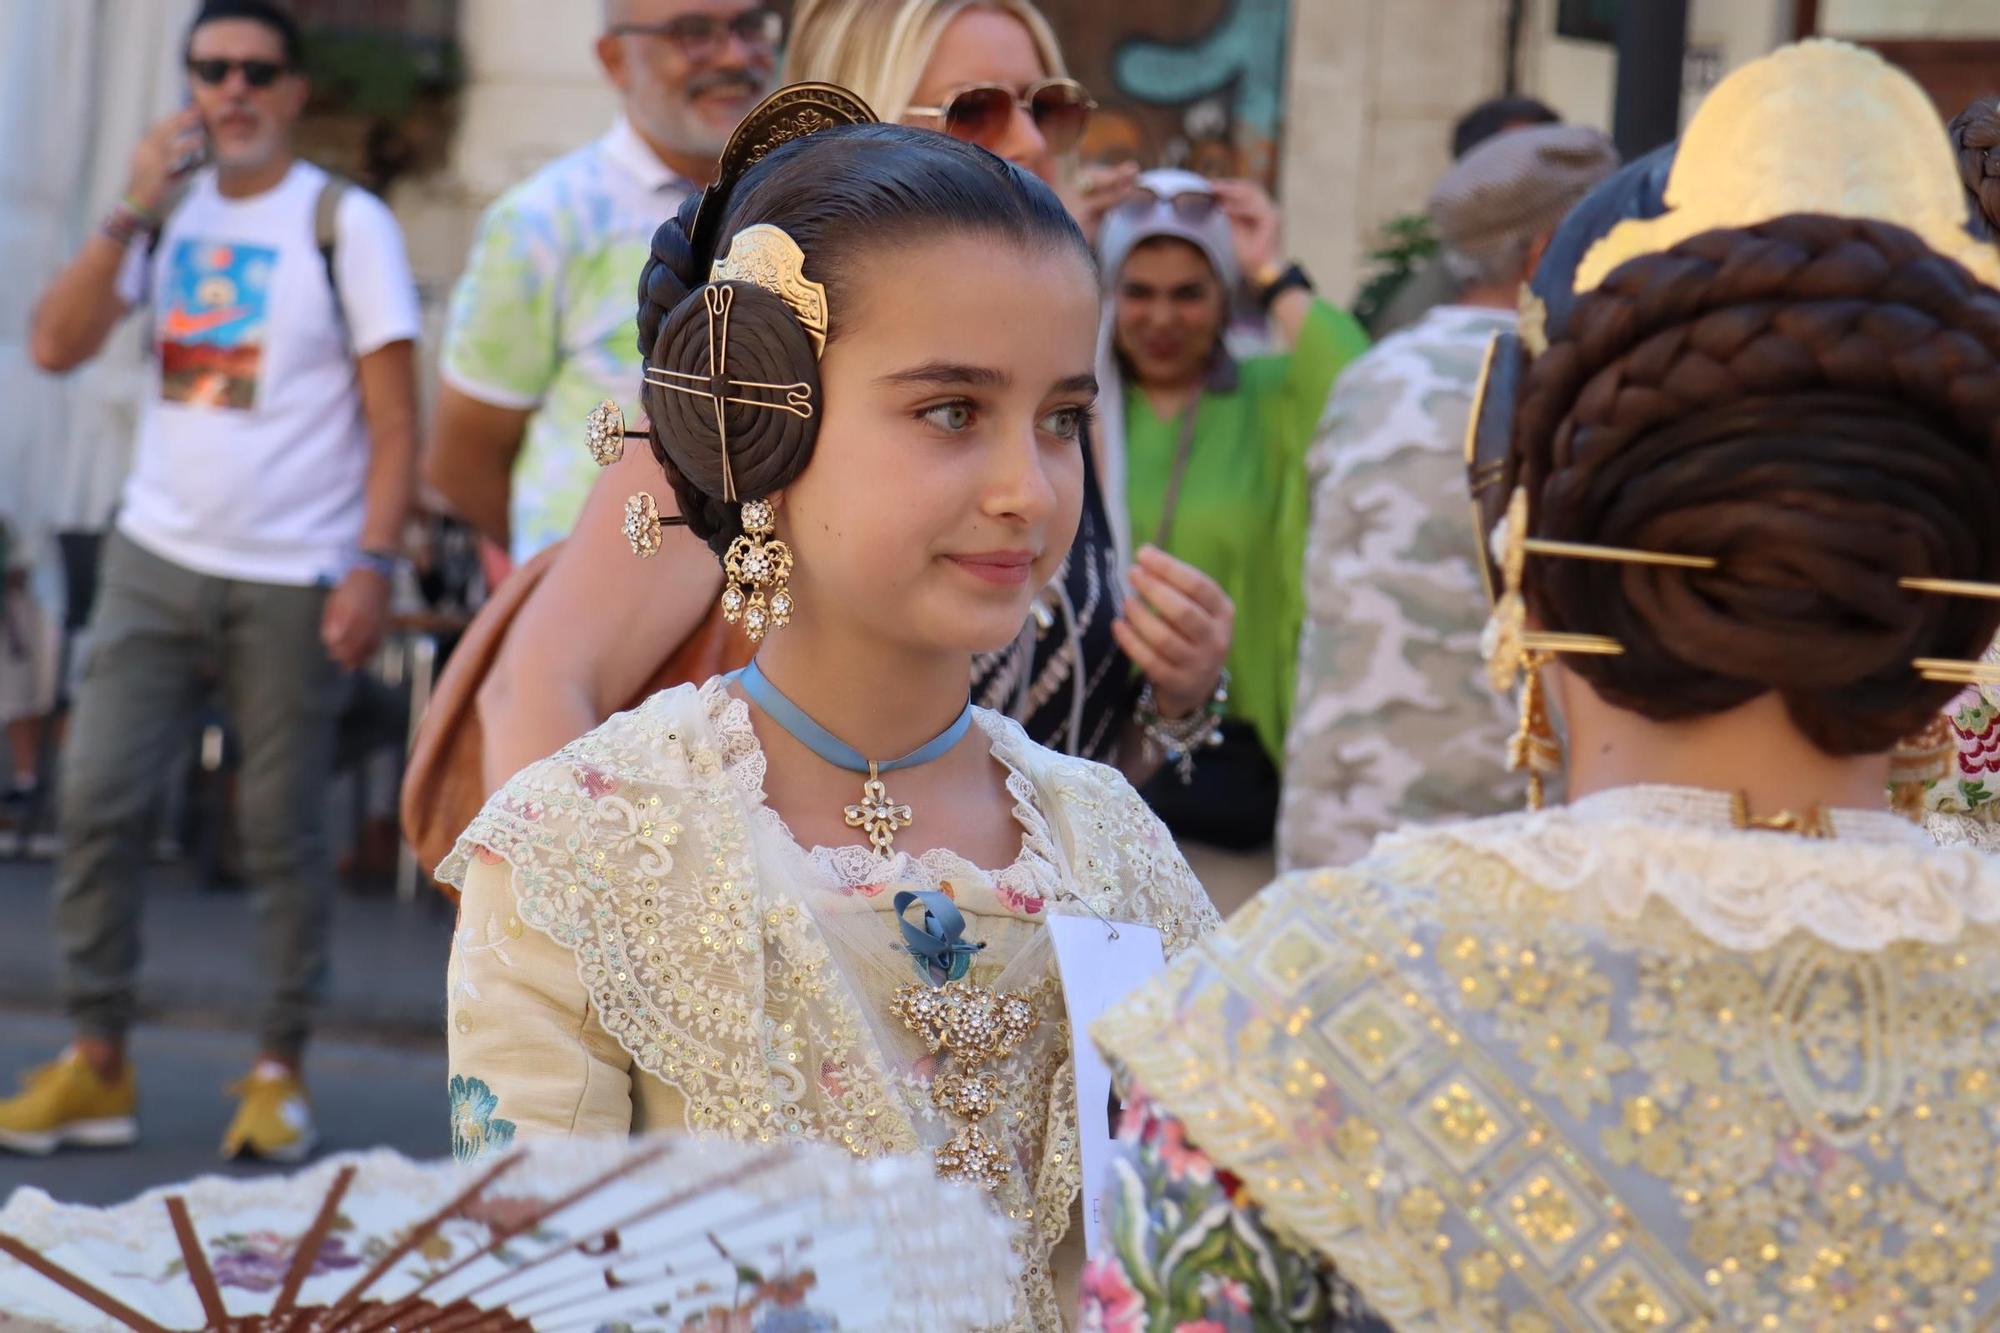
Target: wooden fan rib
(196, 1259)
(756, 1168)
(310, 1245)
(722, 1259)
(93, 1296)
(502, 1236)
(344, 1309)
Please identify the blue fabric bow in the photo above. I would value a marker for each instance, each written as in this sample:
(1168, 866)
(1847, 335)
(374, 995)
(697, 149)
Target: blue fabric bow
(940, 948)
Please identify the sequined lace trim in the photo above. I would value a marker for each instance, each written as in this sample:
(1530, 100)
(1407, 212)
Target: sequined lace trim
(1880, 880)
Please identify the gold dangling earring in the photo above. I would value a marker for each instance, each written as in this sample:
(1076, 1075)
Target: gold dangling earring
(1918, 762)
(1533, 746)
(755, 562)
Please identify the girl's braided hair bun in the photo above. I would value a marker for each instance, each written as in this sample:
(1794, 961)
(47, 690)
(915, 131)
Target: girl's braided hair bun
(1814, 402)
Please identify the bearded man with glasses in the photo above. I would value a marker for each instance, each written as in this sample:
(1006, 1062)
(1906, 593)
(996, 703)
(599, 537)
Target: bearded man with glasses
(254, 548)
(541, 320)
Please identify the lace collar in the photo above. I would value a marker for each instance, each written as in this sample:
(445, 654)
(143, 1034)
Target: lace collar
(1879, 881)
(1025, 886)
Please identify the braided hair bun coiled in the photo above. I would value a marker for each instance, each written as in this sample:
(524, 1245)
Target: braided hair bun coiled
(1815, 403)
(1975, 137)
(767, 447)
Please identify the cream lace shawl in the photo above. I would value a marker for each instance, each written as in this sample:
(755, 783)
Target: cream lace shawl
(1617, 1066)
(725, 961)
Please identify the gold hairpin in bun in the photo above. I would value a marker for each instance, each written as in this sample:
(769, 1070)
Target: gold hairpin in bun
(1957, 671)
(605, 433)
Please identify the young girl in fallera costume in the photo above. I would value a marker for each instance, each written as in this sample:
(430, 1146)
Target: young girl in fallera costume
(1713, 1045)
(761, 907)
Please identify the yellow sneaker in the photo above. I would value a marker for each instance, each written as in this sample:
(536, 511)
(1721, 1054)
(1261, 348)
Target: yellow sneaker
(273, 1120)
(65, 1103)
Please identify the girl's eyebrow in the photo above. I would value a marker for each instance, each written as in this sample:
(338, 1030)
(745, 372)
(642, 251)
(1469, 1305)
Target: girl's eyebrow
(946, 373)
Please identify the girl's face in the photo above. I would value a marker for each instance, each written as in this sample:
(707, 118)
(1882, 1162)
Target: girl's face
(947, 480)
(979, 46)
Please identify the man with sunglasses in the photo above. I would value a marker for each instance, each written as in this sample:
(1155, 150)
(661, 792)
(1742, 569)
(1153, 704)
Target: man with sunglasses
(541, 319)
(253, 549)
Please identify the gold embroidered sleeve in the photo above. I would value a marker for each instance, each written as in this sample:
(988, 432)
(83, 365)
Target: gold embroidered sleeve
(528, 1055)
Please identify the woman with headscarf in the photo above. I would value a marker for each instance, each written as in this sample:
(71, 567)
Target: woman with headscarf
(1208, 450)
(1711, 1046)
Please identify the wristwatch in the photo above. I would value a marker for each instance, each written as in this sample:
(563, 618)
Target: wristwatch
(1273, 281)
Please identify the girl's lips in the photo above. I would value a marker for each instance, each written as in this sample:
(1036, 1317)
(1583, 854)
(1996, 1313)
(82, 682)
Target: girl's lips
(1006, 568)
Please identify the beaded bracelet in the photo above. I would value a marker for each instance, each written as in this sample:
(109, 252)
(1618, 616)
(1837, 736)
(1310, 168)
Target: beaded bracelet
(1177, 739)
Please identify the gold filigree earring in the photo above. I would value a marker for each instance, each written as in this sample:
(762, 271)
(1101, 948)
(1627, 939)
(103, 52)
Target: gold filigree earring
(757, 561)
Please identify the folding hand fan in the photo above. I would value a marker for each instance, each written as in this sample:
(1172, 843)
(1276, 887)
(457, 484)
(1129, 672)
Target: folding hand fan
(659, 1235)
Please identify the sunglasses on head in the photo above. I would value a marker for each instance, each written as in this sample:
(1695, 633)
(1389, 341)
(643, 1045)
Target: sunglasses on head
(1190, 205)
(979, 114)
(256, 73)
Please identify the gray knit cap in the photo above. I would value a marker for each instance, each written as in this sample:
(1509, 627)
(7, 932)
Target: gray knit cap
(1517, 185)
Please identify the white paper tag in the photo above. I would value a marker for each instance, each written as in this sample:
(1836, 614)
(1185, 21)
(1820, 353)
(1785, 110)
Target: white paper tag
(1097, 972)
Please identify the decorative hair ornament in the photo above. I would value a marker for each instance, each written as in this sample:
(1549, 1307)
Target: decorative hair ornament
(795, 111)
(720, 389)
(768, 257)
(1759, 149)
(605, 433)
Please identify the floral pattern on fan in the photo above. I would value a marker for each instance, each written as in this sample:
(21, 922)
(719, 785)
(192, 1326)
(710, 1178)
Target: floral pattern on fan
(475, 1129)
(261, 1260)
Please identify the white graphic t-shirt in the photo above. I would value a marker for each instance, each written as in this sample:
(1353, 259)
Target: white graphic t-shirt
(253, 453)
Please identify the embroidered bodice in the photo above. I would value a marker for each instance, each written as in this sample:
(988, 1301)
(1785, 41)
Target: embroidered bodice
(1619, 1066)
(634, 901)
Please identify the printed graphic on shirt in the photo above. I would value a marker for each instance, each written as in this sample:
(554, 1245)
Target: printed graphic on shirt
(211, 331)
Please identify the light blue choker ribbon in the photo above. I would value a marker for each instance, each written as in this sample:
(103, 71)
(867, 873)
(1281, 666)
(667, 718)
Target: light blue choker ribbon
(876, 813)
(939, 946)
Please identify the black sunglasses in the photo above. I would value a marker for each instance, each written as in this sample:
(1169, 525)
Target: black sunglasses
(699, 36)
(256, 73)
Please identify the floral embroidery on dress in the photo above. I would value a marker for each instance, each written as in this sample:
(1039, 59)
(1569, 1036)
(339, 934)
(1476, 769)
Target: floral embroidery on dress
(719, 956)
(1190, 1253)
(475, 1129)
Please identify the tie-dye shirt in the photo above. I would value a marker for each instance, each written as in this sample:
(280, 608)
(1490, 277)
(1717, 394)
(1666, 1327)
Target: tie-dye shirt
(541, 319)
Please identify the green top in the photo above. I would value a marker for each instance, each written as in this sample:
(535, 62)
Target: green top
(1244, 502)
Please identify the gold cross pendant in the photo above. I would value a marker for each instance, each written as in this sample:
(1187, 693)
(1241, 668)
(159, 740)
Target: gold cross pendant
(877, 814)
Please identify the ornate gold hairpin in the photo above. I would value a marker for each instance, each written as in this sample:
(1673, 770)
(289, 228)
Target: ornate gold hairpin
(605, 433)
(1516, 647)
(716, 386)
(766, 256)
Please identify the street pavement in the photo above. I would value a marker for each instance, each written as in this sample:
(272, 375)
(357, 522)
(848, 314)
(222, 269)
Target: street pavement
(375, 1071)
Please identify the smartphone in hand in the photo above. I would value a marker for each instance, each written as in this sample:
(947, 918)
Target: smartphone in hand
(195, 156)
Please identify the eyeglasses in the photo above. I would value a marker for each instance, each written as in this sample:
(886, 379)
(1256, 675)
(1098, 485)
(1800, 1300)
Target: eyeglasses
(979, 114)
(256, 73)
(1191, 206)
(700, 36)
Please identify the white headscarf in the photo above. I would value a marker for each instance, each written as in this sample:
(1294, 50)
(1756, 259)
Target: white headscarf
(1124, 229)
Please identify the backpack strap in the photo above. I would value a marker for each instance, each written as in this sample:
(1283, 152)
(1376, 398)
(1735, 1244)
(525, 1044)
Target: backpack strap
(326, 233)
